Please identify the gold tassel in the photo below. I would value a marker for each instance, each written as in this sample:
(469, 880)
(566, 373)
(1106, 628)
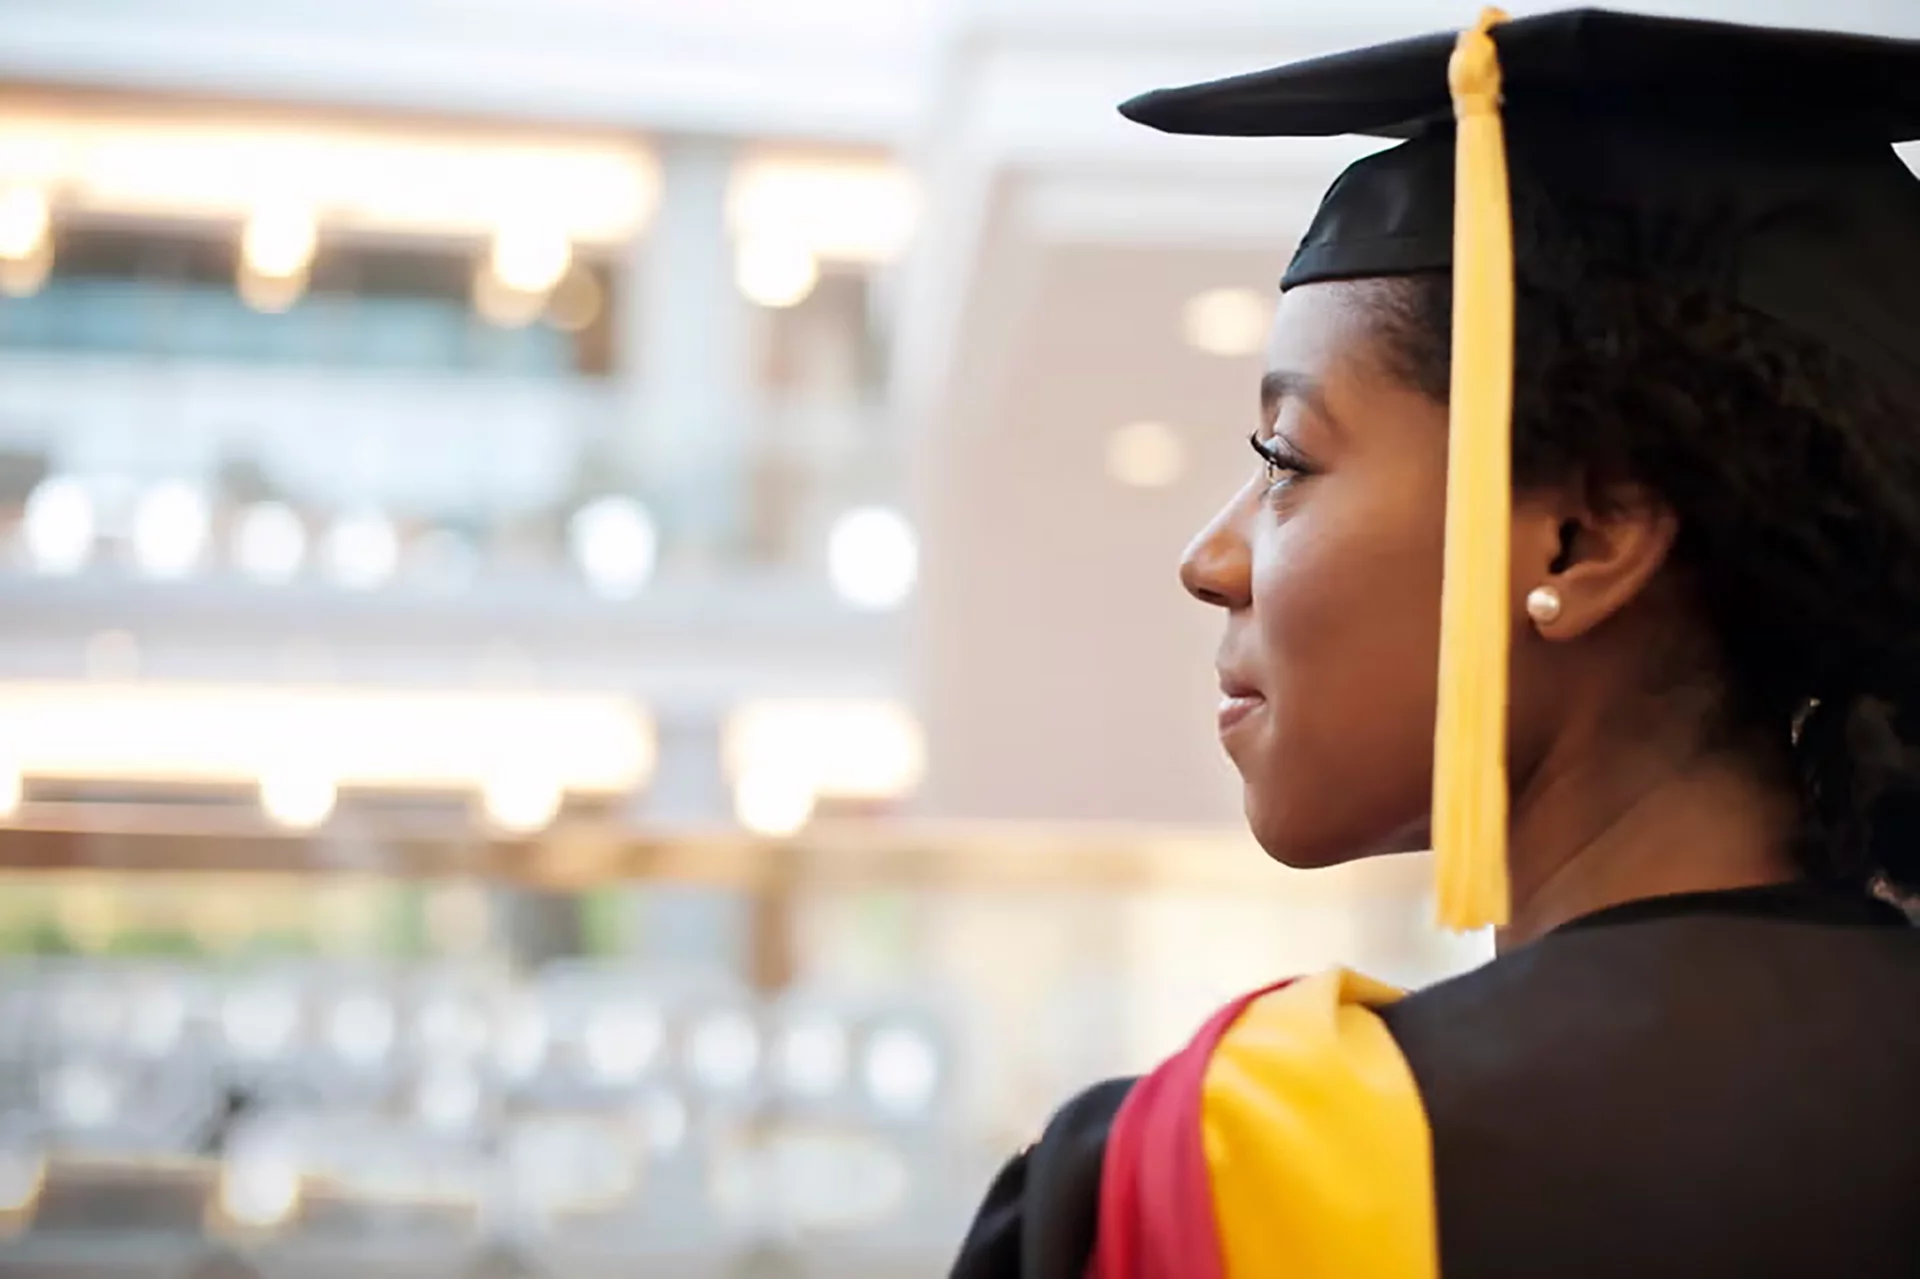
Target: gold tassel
(1470, 737)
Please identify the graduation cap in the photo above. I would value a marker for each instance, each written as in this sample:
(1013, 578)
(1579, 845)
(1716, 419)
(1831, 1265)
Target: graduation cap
(1762, 160)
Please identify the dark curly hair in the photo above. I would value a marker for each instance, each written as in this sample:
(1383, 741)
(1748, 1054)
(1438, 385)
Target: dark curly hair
(1795, 479)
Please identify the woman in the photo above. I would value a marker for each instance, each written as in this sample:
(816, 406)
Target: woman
(1696, 1048)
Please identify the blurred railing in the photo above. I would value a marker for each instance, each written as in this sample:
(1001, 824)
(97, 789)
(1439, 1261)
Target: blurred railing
(585, 1118)
(390, 477)
(210, 321)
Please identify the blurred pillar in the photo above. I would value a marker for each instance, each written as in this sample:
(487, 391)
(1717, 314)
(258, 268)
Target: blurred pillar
(686, 357)
(690, 925)
(772, 960)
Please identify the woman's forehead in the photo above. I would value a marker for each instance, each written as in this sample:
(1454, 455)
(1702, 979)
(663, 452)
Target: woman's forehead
(1318, 328)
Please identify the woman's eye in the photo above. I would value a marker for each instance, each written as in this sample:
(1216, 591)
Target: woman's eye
(1279, 468)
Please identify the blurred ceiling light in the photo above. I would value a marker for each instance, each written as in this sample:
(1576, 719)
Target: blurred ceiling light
(170, 524)
(774, 272)
(269, 542)
(360, 551)
(58, 525)
(774, 802)
(259, 1187)
(723, 1050)
(837, 749)
(259, 1021)
(576, 302)
(83, 1094)
(297, 798)
(1147, 455)
(1227, 322)
(530, 258)
(212, 734)
(279, 239)
(615, 544)
(26, 223)
(813, 1057)
(361, 1029)
(522, 803)
(620, 1041)
(448, 1099)
(269, 294)
(843, 210)
(501, 306)
(873, 557)
(901, 1070)
(374, 179)
(26, 240)
(872, 750)
(25, 277)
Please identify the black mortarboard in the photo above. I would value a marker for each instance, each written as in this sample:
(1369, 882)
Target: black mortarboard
(1763, 158)
(1754, 163)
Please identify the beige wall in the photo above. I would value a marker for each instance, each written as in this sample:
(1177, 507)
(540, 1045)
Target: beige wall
(1062, 672)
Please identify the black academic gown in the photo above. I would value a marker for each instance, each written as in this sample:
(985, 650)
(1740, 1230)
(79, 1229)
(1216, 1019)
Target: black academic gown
(1714, 1085)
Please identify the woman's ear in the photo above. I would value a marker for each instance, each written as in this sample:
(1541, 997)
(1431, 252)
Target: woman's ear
(1595, 556)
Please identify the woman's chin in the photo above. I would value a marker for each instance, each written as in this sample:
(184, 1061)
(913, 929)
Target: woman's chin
(1301, 850)
(1301, 847)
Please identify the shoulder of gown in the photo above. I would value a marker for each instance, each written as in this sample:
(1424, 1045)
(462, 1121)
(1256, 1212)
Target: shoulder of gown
(1039, 1215)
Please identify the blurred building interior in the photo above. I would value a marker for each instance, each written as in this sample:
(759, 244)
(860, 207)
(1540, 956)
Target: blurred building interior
(591, 675)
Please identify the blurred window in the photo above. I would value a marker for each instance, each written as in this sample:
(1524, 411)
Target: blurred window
(137, 293)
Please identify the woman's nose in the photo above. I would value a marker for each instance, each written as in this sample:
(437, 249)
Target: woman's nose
(1216, 568)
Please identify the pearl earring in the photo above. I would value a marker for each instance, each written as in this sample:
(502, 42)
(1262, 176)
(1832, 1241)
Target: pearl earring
(1543, 605)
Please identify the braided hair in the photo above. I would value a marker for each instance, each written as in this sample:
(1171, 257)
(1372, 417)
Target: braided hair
(1795, 480)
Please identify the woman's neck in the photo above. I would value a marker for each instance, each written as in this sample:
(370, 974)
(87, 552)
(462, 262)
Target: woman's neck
(1588, 837)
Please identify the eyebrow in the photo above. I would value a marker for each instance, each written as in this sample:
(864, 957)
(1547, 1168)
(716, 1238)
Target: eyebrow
(1285, 384)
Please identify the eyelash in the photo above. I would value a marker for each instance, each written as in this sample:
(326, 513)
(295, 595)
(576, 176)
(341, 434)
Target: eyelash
(1283, 465)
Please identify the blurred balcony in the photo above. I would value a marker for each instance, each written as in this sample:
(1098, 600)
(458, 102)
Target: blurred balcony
(498, 459)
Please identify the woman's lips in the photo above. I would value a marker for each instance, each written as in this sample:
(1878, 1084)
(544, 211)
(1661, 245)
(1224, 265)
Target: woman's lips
(1237, 702)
